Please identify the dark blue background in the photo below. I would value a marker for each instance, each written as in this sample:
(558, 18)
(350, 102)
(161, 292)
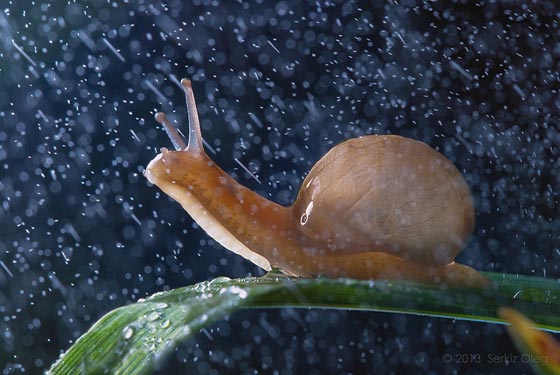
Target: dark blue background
(277, 85)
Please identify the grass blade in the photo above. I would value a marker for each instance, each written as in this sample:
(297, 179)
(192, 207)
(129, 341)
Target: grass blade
(130, 339)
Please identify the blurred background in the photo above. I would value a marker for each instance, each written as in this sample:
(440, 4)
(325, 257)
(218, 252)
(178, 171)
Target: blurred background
(277, 85)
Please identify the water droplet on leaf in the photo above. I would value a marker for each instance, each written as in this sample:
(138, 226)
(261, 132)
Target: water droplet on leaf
(127, 332)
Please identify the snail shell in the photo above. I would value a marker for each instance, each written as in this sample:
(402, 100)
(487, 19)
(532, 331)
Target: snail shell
(387, 192)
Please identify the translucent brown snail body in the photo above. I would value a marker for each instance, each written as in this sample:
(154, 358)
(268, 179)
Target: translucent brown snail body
(374, 207)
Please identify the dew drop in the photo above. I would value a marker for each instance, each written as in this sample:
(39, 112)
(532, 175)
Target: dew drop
(242, 293)
(154, 315)
(220, 279)
(128, 332)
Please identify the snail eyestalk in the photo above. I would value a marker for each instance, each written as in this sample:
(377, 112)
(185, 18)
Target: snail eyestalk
(172, 133)
(195, 136)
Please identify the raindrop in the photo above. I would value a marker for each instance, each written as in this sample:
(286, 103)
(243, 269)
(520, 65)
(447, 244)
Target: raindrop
(128, 332)
(153, 316)
(220, 279)
(242, 293)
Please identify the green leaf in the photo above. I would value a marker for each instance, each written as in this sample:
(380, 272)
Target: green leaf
(129, 340)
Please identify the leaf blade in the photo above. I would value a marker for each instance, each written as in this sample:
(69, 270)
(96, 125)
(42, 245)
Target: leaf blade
(162, 321)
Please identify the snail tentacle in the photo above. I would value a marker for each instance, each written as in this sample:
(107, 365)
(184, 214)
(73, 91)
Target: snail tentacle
(195, 136)
(172, 133)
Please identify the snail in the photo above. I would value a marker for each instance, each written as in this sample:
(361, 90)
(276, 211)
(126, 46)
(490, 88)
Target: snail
(374, 207)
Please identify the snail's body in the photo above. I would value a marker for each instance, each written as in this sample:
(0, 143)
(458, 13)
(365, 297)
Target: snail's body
(375, 207)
